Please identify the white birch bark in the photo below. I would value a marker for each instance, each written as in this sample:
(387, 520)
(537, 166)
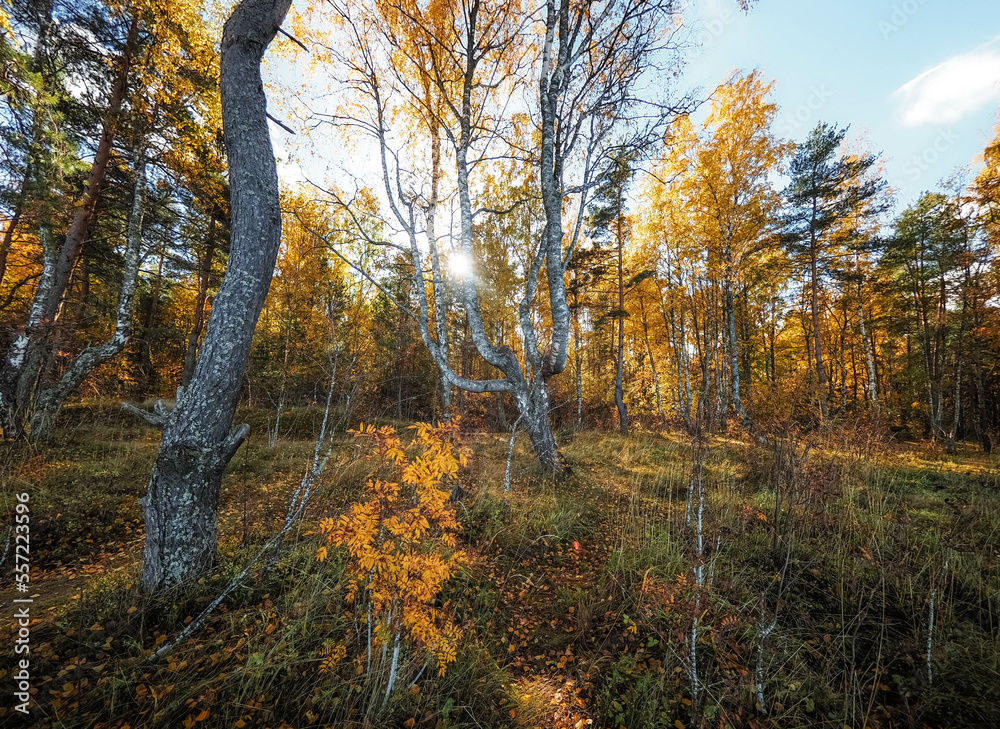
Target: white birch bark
(50, 401)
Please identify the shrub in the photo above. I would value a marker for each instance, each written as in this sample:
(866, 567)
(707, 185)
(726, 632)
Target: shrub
(401, 545)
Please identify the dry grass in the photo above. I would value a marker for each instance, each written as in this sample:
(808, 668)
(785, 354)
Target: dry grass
(578, 601)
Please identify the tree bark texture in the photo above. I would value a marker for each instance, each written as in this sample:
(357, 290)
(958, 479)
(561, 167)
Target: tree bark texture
(201, 302)
(620, 354)
(198, 438)
(50, 401)
(23, 354)
(821, 384)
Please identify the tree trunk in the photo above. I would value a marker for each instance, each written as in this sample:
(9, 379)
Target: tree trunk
(680, 344)
(533, 407)
(204, 279)
(869, 360)
(746, 350)
(674, 325)
(952, 441)
(80, 316)
(952, 434)
(704, 353)
(146, 364)
(440, 301)
(734, 362)
(50, 402)
(843, 363)
(982, 418)
(652, 361)
(23, 356)
(578, 361)
(821, 384)
(817, 340)
(198, 443)
(931, 356)
(83, 212)
(772, 375)
(620, 354)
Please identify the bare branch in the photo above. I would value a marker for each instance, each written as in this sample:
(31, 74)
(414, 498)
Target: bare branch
(280, 124)
(154, 419)
(293, 39)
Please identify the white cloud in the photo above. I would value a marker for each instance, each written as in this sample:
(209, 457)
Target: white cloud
(951, 90)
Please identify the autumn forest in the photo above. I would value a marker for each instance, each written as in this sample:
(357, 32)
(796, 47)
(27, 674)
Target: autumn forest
(438, 364)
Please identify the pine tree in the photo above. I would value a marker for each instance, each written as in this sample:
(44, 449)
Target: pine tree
(826, 187)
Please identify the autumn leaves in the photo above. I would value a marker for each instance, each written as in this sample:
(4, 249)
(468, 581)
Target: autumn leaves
(400, 542)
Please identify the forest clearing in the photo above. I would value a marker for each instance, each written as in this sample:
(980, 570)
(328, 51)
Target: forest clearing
(439, 363)
(576, 599)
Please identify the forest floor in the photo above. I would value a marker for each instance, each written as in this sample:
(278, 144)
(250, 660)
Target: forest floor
(845, 581)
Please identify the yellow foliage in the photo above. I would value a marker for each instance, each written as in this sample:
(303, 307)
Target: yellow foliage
(332, 656)
(401, 538)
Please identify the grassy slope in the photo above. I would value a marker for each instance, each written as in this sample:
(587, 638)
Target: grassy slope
(832, 549)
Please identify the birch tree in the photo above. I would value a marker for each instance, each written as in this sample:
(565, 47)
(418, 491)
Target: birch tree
(198, 438)
(585, 71)
(51, 400)
(734, 197)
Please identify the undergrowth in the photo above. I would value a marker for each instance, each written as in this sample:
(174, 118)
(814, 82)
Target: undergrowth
(580, 600)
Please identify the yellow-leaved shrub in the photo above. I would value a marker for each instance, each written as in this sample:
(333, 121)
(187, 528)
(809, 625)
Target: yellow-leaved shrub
(401, 538)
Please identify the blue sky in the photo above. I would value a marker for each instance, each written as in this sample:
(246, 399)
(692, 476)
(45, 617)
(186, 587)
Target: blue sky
(918, 80)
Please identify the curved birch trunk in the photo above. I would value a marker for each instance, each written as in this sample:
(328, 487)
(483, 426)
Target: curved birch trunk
(198, 437)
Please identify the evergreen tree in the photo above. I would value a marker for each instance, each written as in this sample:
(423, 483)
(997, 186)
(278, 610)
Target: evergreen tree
(609, 225)
(827, 187)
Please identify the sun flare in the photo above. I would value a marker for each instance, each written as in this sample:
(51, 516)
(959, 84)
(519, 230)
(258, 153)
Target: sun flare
(460, 264)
